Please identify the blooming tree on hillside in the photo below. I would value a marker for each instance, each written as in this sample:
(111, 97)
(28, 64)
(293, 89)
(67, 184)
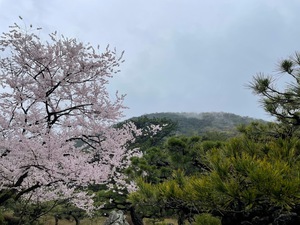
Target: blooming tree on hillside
(56, 117)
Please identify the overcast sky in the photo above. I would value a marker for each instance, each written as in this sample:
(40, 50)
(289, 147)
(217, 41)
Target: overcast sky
(181, 55)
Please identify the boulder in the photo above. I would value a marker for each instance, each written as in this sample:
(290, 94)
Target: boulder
(116, 218)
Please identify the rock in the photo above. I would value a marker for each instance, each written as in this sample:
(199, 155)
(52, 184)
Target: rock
(116, 218)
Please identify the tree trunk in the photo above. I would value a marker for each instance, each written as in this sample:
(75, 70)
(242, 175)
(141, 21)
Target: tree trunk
(76, 220)
(56, 219)
(181, 218)
(135, 218)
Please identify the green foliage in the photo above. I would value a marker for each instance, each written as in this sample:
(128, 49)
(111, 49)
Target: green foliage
(242, 176)
(178, 153)
(206, 219)
(23, 211)
(2, 218)
(186, 153)
(220, 125)
(250, 173)
(154, 166)
(263, 132)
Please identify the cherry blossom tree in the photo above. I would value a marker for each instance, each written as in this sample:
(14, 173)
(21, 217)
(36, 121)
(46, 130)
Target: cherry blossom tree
(56, 117)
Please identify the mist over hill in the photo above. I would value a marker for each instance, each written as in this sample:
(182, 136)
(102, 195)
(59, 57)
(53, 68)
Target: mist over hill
(189, 123)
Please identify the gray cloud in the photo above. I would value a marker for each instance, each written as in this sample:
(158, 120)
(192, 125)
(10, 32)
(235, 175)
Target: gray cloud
(180, 55)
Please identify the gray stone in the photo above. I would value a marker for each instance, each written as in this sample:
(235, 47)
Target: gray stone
(116, 218)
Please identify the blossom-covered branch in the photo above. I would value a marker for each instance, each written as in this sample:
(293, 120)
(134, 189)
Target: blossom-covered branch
(56, 117)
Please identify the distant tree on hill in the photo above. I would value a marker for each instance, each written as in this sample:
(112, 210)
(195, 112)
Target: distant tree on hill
(167, 128)
(191, 124)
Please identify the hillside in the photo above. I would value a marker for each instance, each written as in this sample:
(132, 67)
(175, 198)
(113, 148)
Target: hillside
(200, 123)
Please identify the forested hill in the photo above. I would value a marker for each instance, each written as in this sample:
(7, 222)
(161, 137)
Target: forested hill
(200, 123)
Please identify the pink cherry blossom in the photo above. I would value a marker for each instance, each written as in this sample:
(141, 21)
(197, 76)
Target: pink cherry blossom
(56, 117)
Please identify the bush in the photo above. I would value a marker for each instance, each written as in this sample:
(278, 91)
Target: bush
(2, 221)
(206, 219)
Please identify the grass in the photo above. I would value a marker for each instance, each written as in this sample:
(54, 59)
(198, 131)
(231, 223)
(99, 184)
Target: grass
(86, 221)
(100, 220)
(159, 222)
